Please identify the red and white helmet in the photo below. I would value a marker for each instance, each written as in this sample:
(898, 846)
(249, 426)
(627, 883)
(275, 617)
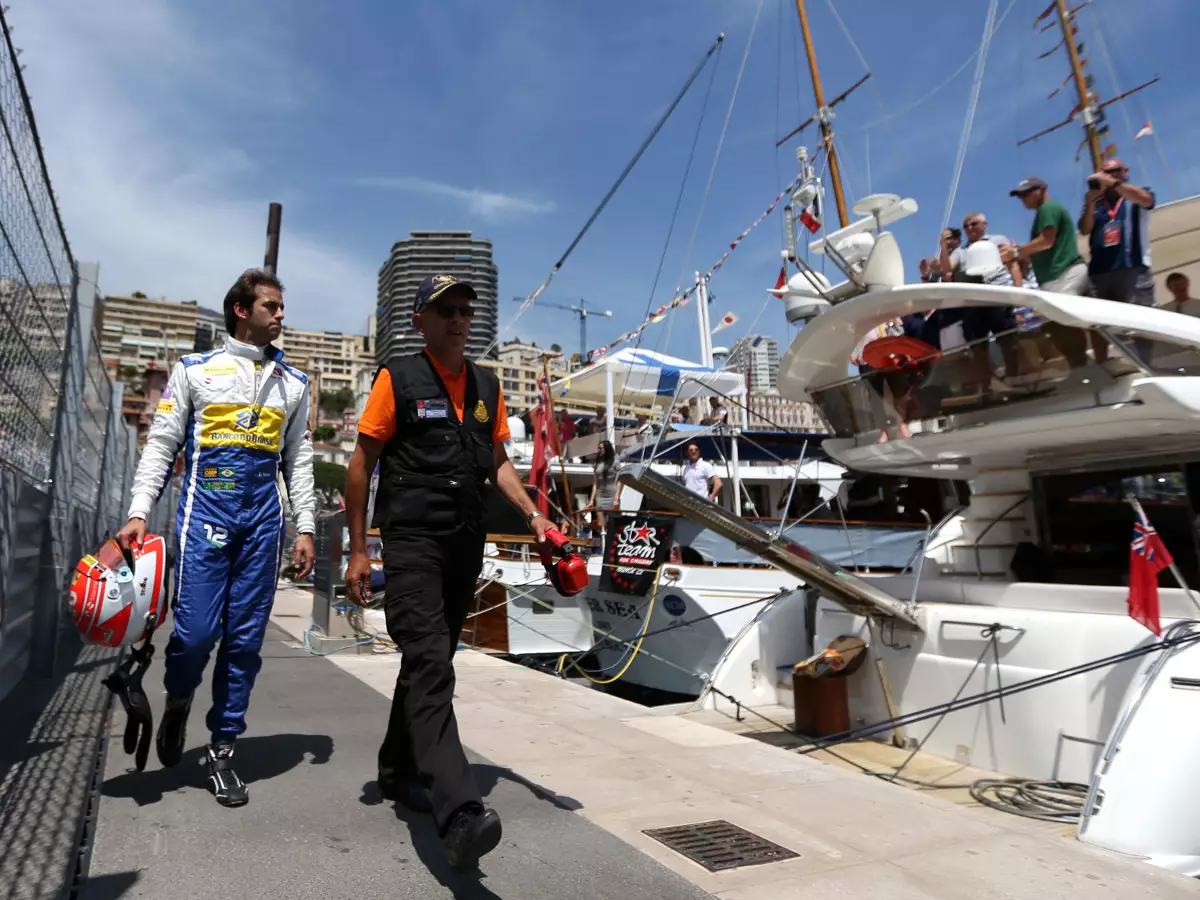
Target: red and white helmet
(113, 603)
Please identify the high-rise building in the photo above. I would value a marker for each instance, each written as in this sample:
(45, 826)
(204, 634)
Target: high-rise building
(757, 356)
(426, 253)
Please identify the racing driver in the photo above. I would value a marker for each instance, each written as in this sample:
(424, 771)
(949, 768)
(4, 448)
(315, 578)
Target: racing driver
(240, 415)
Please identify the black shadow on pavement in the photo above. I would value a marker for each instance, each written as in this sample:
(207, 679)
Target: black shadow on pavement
(488, 776)
(109, 887)
(256, 759)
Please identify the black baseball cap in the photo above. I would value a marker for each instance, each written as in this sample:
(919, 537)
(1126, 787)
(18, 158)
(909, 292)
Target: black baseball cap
(1029, 184)
(435, 287)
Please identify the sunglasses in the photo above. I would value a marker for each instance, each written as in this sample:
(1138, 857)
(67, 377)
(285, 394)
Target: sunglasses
(448, 311)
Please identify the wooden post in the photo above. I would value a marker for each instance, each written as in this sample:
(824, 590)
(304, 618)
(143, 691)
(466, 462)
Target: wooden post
(562, 463)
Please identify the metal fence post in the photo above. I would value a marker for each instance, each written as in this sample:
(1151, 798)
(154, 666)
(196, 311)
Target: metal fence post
(47, 610)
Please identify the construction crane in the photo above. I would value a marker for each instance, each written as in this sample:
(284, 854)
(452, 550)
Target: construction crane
(582, 311)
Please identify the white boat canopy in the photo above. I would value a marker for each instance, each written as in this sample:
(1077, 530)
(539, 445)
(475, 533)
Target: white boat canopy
(646, 377)
(820, 355)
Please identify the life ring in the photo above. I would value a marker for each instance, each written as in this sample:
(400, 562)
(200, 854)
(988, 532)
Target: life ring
(889, 352)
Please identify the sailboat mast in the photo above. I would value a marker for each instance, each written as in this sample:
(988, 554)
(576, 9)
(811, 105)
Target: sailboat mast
(835, 172)
(1086, 110)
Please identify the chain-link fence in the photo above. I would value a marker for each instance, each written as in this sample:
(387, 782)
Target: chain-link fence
(66, 455)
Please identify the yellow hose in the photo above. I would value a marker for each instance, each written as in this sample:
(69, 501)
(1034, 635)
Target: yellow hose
(636, 647)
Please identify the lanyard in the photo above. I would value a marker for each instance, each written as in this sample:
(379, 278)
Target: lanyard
(1113, 209)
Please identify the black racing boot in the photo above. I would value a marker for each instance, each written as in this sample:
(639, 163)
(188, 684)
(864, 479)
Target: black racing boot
(222, 780)
(172, 731)
(408, 792)
(473, 832)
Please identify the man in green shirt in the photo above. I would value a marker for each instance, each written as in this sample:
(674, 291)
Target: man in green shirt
(1052, 250)
(1056, 263)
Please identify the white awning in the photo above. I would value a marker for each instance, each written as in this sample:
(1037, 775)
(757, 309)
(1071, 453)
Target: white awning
(643, 375)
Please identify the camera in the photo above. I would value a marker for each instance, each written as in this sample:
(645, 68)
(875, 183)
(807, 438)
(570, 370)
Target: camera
(1094, 183)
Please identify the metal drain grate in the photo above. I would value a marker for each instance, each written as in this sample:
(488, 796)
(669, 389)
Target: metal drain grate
(719, 845)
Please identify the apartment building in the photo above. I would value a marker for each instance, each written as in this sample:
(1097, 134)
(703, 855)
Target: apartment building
(519, 366)
(756, 356)
(134, 331)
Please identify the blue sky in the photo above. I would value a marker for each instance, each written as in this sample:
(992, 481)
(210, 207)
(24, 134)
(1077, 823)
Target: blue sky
(168, 128)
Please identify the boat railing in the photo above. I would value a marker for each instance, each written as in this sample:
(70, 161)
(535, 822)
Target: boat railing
(1039, 360)
(990, 525)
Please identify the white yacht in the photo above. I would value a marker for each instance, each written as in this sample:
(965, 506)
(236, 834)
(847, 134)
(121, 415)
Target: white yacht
(519, 613)
(1091, 407)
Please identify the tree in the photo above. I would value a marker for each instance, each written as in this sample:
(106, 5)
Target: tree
(556, 348)
(329, 480)
(334, 403)
(138, 294)
(324, 433)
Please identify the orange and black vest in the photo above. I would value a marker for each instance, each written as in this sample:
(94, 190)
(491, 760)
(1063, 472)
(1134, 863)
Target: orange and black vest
(433, 470)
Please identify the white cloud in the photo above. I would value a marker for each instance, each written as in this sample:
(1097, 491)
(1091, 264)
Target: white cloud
(486, 204)
(146, 184)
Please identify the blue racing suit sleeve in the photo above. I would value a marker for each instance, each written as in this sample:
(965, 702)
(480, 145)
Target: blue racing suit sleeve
(297, 467)
(168, 432)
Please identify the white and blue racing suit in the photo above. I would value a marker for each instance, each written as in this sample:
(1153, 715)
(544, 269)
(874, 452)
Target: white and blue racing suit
(241, 417)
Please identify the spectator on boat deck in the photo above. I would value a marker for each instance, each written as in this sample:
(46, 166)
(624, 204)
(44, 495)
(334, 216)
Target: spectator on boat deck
(605, 488)
(1181, 300)
(1055, 258)
(952, 239)
(961, 264)
(699, 476)
(1051, 249)
(718, 413)
(980, 261)
(1116, 219)
(566, 427)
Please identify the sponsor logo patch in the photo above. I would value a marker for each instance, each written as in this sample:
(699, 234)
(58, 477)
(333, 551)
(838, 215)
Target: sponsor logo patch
(235, 425)
(164, 408)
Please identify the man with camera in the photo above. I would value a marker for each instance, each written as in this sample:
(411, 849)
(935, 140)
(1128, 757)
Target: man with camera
(1116, 219)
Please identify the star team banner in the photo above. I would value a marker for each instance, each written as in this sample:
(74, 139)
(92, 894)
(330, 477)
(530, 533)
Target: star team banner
(634, 548)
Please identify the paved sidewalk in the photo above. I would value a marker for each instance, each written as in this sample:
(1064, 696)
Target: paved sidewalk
(576, 775)
(316, 828)
(631, 768)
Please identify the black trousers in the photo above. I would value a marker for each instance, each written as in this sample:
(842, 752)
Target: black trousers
(430, 584)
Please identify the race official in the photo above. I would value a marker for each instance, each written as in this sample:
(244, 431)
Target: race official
(436, 423)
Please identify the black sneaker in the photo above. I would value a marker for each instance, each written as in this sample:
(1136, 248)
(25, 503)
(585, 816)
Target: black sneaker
(222, 780)
(473, 832)
(172, 731)
(408, 792)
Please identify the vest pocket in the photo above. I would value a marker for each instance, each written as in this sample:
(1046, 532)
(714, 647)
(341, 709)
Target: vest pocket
(421, 500)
